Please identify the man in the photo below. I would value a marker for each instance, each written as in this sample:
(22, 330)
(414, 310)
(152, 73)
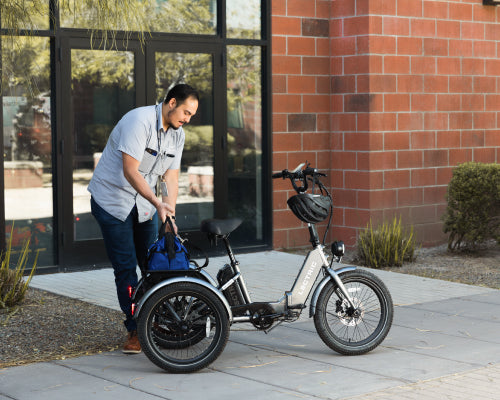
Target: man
(145, 144)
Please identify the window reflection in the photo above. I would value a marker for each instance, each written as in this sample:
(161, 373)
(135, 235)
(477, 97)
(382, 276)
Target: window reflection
(27, 144)
(25, 15)
(196, 182)
(168, 16)
(245, 137)
(243, 19)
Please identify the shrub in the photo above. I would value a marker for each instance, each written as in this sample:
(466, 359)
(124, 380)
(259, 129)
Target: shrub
(386, 246)
(12, 285)
(473, 212)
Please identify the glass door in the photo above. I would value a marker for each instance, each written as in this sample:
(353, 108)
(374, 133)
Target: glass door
(100, 87)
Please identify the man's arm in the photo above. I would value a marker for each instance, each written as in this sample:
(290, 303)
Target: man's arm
(171, 179)
(137, 181)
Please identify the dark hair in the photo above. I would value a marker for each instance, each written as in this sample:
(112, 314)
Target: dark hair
(180, 93)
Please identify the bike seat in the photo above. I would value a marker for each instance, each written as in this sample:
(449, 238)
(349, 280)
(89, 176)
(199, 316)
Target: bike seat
(220, 227)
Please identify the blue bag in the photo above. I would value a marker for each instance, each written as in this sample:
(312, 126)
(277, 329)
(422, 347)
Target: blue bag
(167, 253)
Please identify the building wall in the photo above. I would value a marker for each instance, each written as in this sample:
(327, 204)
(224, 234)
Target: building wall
(414, 89)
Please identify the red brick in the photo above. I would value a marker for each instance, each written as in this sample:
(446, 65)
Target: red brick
(279, 45)
(423, 140)
(396, 179)
(423, 27)
(435, 121)
(363, 180)
(436, 84)
(413, 121)
(323, 84)
(358, 141)
(484, 49)
(448, 102)
(315, 141)
(443, 175)
(300, 8)
(423, 214)
(316, 103)
(316, 65)
(357, 64)
(382, 7)
(323, 47)
(396, 26)
(492, 31)
(287, 142)
(423, 102)
(396, 65)
(376, 83)
(396, 102)
(357, 102)
(343, 160)
(343, 8)
(460, 48)
(279, 123)
(344, 84)
(435, 158)
(372, 161)
(461, 120)
(484, 155)
(447, 139)
(484, 14)
(337, 103)
(423, 177)
(409, 8)
(484, 120)
(461, 12)
(492, 67)
(357, 26)
(286, 103)
(448, 29)
(278, 7)
(279, 84)
(492, 138)
(423, 65)
(377, 199)
(344, 122)
(448, 66)
(301, 84)
(410, 46)
(434, 195)
(286, 65)
(472, 30)
(460, 156)
(472, 139)
(343, 46)
(410, 159)
(301, 46)
(436, 9)
(323, 122)
(435, 47)
(460, 84)
(472, 66)
(410, 83)
(396, 140)
(286, 26)
(344, 198)
(472, 102)
(410, 197)
(280, 237)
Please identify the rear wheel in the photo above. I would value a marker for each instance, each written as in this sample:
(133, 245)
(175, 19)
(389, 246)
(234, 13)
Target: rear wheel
(359, 329)
(183, 327)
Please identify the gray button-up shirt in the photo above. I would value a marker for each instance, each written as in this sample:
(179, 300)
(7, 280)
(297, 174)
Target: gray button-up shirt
(140, 134)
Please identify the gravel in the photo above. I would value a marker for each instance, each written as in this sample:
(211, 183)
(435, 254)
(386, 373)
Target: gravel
(47, 326)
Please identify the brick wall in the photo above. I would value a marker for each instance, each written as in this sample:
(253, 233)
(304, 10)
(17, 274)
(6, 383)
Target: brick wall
(414, 89)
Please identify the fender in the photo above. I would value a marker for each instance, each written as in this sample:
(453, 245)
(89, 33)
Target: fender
(197, 281)
(322, 284)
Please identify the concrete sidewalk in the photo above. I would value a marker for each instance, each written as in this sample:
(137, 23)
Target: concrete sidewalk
(444, 344)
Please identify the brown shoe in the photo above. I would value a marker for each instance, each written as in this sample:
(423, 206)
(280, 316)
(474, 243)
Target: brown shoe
(132, 345)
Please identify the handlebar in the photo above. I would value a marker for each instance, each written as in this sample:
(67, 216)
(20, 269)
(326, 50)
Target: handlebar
(301, 175)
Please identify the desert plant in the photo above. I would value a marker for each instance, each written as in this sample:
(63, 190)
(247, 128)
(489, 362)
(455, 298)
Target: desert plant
(12, 284)
(387, 245)
(473, 211)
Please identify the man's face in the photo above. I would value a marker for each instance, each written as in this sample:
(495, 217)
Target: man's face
(180, 114)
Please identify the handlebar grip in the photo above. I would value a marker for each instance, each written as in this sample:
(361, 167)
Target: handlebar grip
(278, 175)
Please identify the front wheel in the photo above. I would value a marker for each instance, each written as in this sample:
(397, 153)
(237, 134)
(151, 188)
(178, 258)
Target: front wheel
(183, 327)
(359, 329)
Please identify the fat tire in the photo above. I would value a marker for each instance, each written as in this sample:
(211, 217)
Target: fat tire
(157, 351)
(348, 344)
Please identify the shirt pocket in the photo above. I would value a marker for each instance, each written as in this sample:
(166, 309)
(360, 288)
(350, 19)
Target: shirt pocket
(149, 159)
(163, 164)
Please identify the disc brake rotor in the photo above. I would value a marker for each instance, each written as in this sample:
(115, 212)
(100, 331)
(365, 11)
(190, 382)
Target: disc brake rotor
(347, 315)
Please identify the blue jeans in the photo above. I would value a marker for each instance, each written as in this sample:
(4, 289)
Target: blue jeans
(126, 243)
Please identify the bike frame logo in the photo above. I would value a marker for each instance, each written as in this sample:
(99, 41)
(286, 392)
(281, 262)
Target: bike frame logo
(307, 278)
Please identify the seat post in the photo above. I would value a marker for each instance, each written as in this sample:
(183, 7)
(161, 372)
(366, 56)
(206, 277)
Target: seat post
(236, 270)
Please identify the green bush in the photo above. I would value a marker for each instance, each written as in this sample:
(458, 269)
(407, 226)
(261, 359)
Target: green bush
(473, 212)
(386, 246)
(12, 285)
